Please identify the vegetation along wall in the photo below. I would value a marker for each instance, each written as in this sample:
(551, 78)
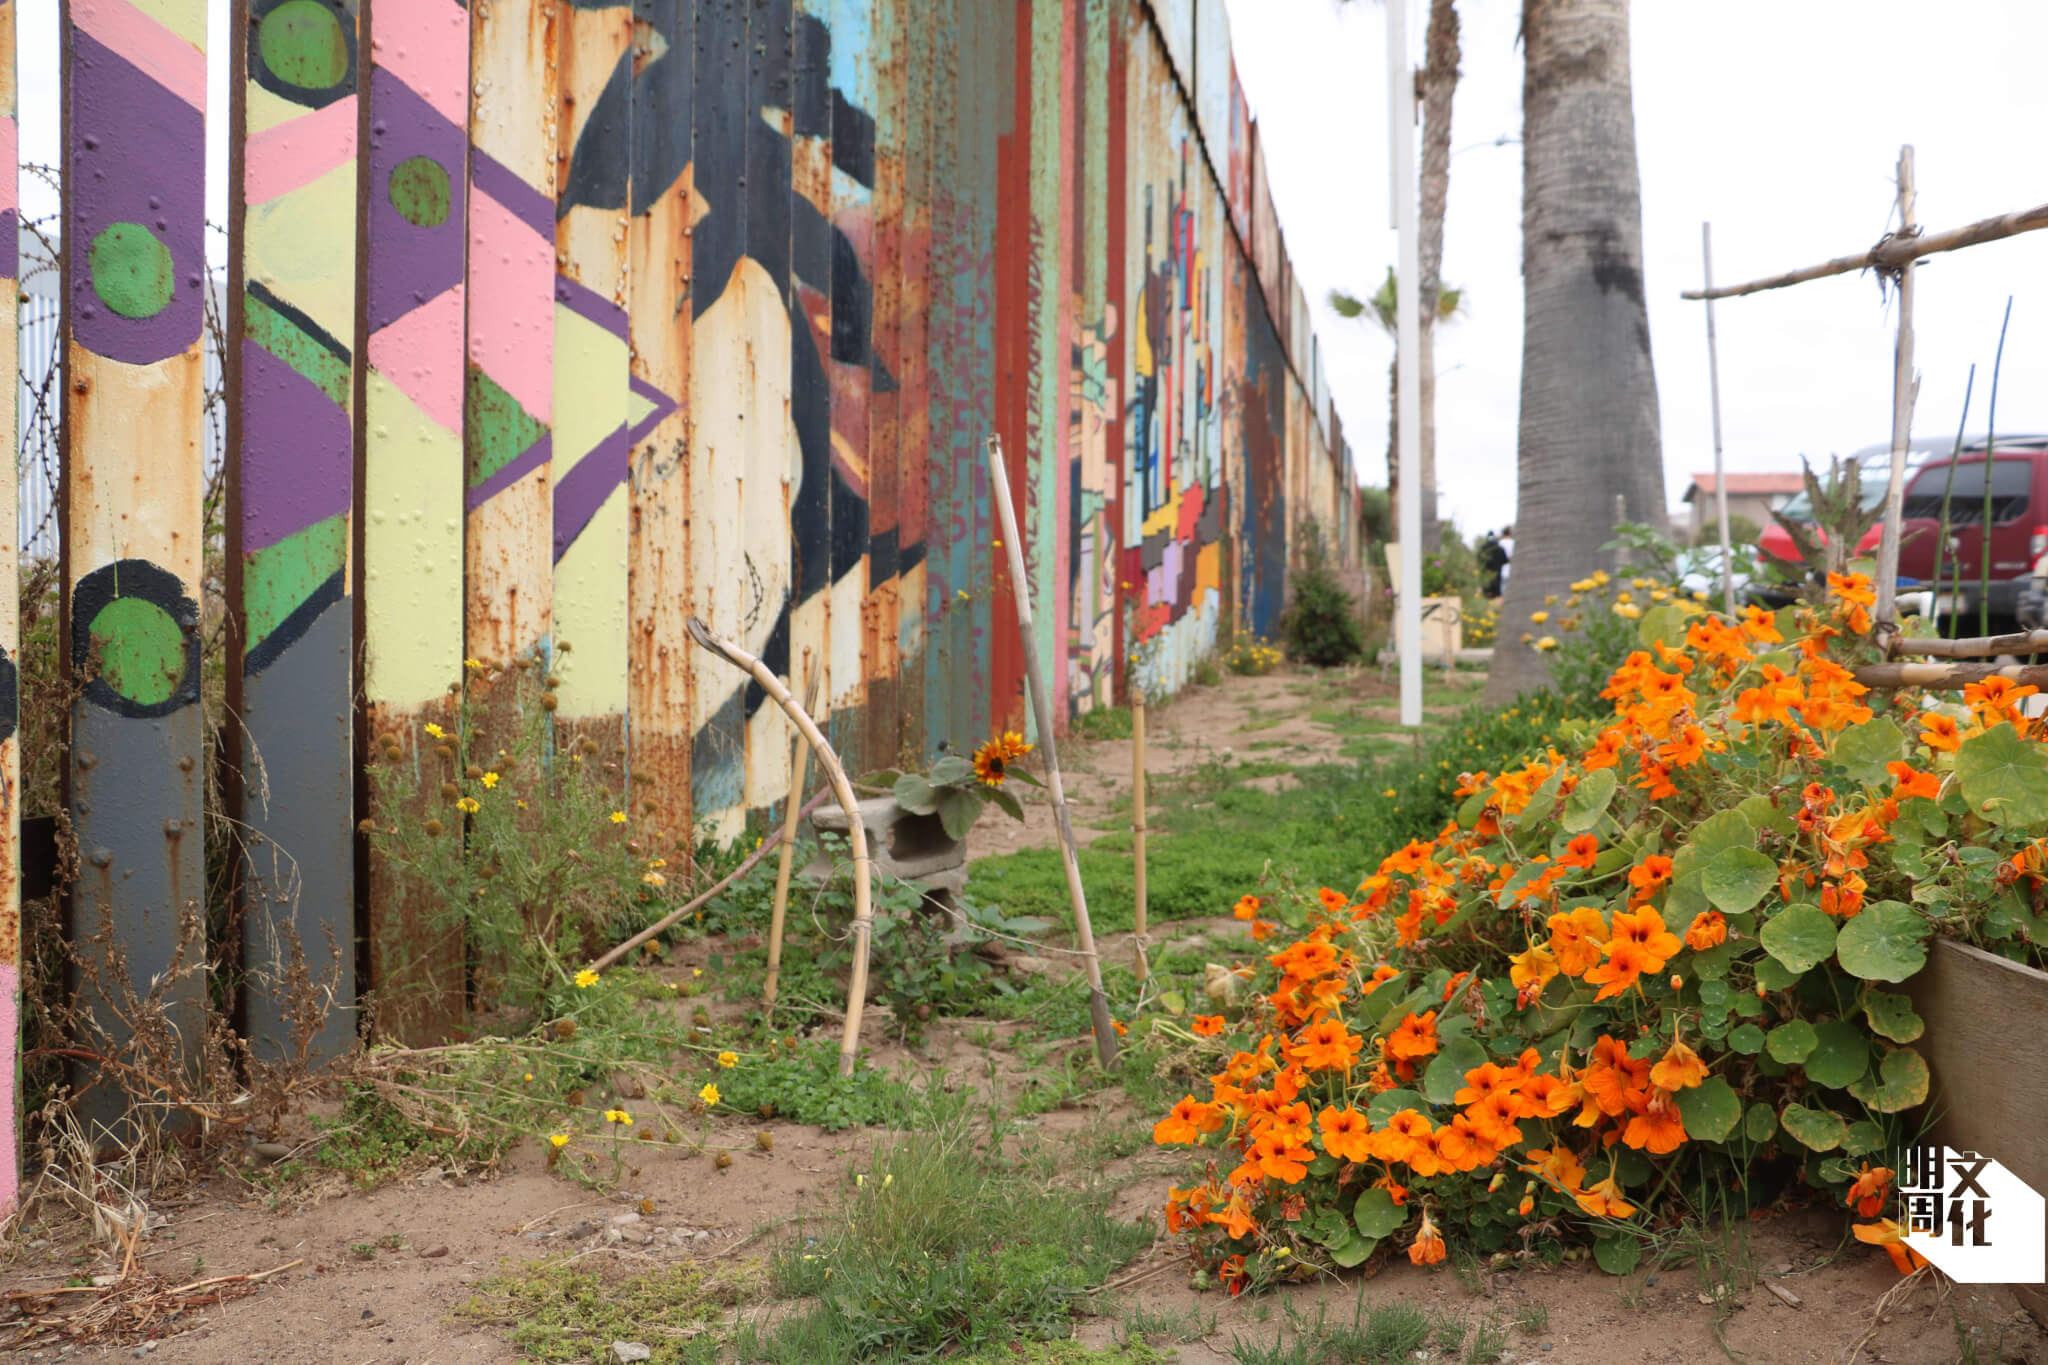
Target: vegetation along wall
(553, 322)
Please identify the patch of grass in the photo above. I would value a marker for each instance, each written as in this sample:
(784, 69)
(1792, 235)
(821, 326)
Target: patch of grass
(566, 1310)
(1177, 1325)
(804, 1086)
(1104, 722)
(1533, 1318)
(1066, 1353)
(1380, 1335)
(372, 1142)
(943, 1245)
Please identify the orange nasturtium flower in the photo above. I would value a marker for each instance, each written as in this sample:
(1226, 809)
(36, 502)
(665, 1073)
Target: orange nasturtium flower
(1326, 1045)
(1659, 1127)
(1651, 873)
(1575, 939)
(1208, 1025)
(1912, 782)
(1247, 907)
(1580, 852)
(1866, 1195)
(1639, 943)
(1186, 1124)
(1335, 902)
(1680, 1069)
(1345, 1133)
(1604, 1200)
(1428, 1248)
(1708, 928)
(1889, 1235)
(1531, 969)
(1939, 732)
(1415, 1037)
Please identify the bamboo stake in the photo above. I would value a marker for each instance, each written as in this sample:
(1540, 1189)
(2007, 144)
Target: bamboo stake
(856, 833)
(1714, 393)
(1138, 825)
(1946, 676)
(1903, 387)
(800, 769)
(1979, 647)
(1893, 253)
(1041, 710)
(1990, 468)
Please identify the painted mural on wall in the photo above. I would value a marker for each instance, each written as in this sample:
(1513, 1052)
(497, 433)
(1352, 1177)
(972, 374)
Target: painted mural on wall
(602, 314)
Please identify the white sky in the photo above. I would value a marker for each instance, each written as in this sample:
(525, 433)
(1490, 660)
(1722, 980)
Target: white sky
(1776, 119)
(1780, 122)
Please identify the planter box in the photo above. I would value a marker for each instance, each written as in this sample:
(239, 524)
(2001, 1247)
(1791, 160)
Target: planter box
(1986, 1044)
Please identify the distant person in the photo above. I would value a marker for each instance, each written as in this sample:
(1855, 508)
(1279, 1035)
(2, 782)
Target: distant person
(1492, 561)
(1507, 554)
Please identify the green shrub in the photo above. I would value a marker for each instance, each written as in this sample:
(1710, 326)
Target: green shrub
(1321, 624)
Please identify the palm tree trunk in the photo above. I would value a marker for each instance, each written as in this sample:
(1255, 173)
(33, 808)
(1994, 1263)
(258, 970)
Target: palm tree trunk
(1589, 393)
(1439, 82)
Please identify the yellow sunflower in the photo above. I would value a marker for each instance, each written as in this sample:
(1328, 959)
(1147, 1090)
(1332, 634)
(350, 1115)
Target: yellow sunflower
(990, 762)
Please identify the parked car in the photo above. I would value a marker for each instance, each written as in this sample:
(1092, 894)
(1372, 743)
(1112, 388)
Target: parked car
(2018, 529)
(1699, 570)
(1875, 467)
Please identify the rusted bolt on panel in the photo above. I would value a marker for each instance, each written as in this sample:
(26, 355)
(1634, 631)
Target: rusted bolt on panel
(103, 857)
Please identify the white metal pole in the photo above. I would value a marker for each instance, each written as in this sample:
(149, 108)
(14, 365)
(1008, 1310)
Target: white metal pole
(1408, 348)
(1714, 391)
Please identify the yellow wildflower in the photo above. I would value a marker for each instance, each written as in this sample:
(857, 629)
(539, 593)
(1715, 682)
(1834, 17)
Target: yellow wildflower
(709, 1094)
(1538, 617)
(618, 817)
(436, 731)
(472, 663)
(728, 1060)
(468, 805)
(559, 1139)
(1547, 643)
(655, 879)
(618, 1116)
(585, 979)
(490, 780)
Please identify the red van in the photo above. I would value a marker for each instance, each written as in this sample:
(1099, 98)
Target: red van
(2019, 523)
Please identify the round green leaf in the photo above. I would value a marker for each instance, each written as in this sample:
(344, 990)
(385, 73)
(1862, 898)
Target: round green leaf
(1816, 1129)
(1887, 942)
(1618, 1254)
(1760, 1123)
(1840, 1057)
(1377, 1214)
(1722, 830)
(1865, 749)
(1388, 1103)
(1748, 1040)
(1737, 877)
(1588, 801)
(1901, 1083)
(1891, 1015)
(2004, 777)
(1352, 1253)
(1445, 1074)
(1800, 937)
(1863, 1138)
(1792, 1042)
(1710, 1110)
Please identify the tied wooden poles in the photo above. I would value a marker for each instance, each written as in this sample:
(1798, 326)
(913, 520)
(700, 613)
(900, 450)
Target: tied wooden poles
(856, 833)
(1947, 676)
(1041, 710)
(1903, 389)
(1895, 252)
(1138, 826)
(2024, 642)
(800, 770)
(1714, 393)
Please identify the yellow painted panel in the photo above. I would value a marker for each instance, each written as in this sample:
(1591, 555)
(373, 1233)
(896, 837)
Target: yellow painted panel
(590, 600)
(1164, 518)
(590, 387)
(133, 449)
(412, 550)
(266, 110)
(291, 249)
(849, 688)
(1209, 569)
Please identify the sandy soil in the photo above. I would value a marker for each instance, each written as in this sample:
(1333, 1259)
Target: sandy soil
(431, 1238)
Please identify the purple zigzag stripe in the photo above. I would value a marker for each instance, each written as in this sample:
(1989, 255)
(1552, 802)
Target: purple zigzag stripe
(580, 492)
(520, 199)
(587, 303)
(513, 470)
(663, 406)
(297, 451)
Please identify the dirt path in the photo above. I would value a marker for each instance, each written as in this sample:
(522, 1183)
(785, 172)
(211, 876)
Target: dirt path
(375, 1277)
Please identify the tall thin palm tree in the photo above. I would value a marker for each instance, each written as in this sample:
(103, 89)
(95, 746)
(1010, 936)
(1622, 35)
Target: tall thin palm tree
(1439, 82)
(1449, 304)
(1589, 433)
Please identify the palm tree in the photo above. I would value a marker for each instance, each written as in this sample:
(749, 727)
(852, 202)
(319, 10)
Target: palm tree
(1588, 432)
(1449, 303)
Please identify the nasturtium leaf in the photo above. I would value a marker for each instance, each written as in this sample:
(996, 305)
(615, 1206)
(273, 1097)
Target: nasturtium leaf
(1588, 801)
(1388, 1103)
(1745, 1004)
(1711, 965)
(1377, 1214)
(1887, 942)
(1763, 813)
(1760, 1123)
(1710, 1110)
(1618, 1255)
(1840, 1056)
(1354, 1252)
(1324, 1165)
(1445, 1074)
(1665, 623)
(1772, 975)
(1543, 801)
(1748, 1040)
(1817, 1130)
(1792, 1041)
(1715, 994)
(1736, 878)
(1862, 1138)
(1380, 1002)
(1900, 1083)
(1173, 1002)
(1474, 805)
(1891, 1015)
(1723, 829)
(1865, 749)
(1799, 936)
(915, 795)
(2004, 777)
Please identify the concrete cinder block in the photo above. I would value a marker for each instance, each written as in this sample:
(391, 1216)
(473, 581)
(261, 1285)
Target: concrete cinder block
(902, 844)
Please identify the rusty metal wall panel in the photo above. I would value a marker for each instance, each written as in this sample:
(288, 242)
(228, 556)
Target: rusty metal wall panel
(1301, 327)
(1049, 313)
(889, 47)
(291, 469)
(1089, 643)
(840, 568)
(1266, 251)
(1176, 21)
(509, 376)
(1214, 79)
(411, 483)
(647, 170)
(914, 418)
(1013, 339)
(134, 83)
(811, 337)
(1237, 183)
(10, 637)
(587, 541)
(1260, 372)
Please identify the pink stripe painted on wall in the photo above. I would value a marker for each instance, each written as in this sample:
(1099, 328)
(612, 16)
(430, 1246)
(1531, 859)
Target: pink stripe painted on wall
(161, 55)
(425, 43)
(295, 154)
(512, 304)
(419, 354)
(10, 186)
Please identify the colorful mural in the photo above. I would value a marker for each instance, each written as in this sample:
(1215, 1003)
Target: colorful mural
(10, 637)
(555, 322)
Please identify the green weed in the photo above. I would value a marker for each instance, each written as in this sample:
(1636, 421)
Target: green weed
(564, 1310)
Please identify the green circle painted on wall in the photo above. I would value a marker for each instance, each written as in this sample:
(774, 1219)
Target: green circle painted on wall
(141, 650)
(419, 191)
(302, 44)
(132, 271)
